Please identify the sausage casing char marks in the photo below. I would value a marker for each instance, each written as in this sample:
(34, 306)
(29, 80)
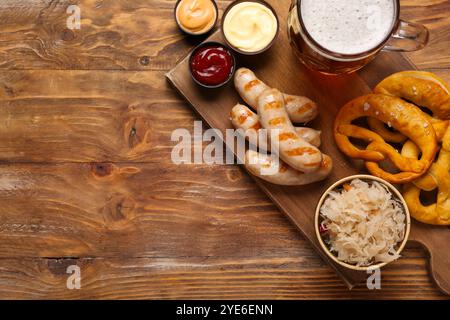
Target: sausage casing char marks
(245, 119)
(294, 150)
(300, 109)
(284, 175)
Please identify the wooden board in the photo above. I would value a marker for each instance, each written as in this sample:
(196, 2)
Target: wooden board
(280, 68)
(194, 232)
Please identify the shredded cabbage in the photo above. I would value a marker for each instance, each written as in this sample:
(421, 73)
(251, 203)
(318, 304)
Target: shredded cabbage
(364, 223)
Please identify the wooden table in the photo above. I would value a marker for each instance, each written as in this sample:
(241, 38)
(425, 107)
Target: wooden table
(86, 118)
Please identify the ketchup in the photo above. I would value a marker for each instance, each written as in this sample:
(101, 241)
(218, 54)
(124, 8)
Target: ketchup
(212, 65)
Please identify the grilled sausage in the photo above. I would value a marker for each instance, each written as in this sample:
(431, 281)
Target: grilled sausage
(293, 149)
(244, 118)
(283, 174)
(300, 109)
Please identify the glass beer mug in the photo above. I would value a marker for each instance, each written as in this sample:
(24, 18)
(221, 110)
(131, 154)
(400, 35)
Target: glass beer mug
(342, 36)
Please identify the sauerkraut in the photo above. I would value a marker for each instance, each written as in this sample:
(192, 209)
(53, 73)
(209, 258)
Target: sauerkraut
(363, 223)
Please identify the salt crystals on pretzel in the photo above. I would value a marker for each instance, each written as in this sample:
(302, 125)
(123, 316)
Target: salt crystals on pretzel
(404, 117)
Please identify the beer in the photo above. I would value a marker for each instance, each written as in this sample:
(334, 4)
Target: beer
(335, 36)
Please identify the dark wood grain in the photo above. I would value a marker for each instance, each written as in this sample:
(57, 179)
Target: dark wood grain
(152, 230)
(114, 34)
(299, 203)
(435, 15)
(294, 276)
(135, 210)
(141, 34)
(57, 116)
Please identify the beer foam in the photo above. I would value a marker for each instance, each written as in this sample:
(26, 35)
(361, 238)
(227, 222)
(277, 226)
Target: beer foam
(350, 26)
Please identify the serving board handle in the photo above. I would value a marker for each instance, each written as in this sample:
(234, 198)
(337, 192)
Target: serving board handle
(433, 239)
(281, 69)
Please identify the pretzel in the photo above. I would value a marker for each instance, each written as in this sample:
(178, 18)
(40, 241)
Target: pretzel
(439, 126)
(438, 177)
(388, 135)
(424, 89)
(406, 118)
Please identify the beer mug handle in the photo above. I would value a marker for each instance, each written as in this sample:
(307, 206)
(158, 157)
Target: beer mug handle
(409, 36)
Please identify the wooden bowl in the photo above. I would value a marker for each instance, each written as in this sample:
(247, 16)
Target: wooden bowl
(336, 185)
